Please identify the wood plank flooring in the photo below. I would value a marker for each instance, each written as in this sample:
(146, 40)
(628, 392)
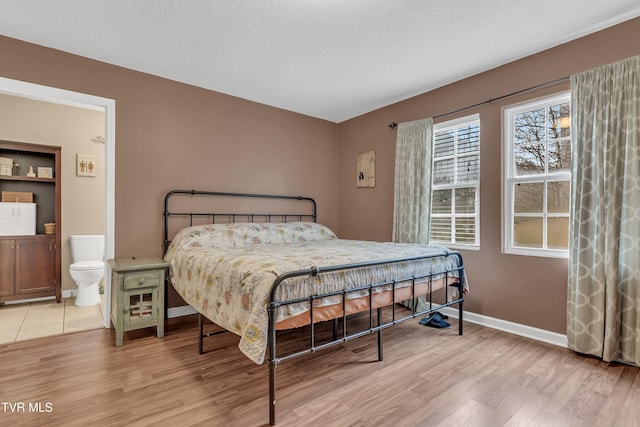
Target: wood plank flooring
(429, 377)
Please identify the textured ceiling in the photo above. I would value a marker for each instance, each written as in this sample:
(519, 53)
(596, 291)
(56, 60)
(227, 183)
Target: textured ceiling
(331, 59)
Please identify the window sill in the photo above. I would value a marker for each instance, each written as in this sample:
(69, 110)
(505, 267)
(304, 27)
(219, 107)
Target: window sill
(537, 253)
(458, 246)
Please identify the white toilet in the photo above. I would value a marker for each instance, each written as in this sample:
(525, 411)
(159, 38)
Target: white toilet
(87, 267)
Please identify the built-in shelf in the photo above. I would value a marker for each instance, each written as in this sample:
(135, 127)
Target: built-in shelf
(26, 179)
(30, 265)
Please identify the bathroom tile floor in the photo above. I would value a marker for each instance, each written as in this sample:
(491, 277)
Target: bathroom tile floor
(20, 322)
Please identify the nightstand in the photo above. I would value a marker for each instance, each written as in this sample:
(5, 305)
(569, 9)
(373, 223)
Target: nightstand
(137, 294)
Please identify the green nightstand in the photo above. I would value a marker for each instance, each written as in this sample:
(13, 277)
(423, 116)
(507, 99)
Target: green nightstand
(137, 294)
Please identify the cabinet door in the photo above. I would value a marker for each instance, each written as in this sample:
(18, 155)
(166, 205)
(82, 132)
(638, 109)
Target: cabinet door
(7, 265)
(140, 307)
(35, 265)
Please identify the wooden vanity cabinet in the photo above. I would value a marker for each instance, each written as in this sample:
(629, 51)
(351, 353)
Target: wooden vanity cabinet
(27, 267)
(7, 267)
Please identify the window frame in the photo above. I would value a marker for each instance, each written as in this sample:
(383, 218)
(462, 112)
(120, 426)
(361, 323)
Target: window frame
(509, 178)
(438, 127)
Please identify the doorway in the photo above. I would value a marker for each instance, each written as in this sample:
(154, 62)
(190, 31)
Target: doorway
(76, 99)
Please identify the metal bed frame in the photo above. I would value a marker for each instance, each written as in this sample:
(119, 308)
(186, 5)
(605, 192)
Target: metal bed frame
(376, 322)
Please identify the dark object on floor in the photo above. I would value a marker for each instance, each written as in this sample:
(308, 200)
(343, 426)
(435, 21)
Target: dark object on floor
(436, 320)
(443, 316)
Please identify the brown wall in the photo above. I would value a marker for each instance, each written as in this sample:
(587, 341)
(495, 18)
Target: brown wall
(171, 135)
(521, 289)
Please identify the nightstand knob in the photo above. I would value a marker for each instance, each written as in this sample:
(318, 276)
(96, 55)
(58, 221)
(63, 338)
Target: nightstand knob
(141, 281)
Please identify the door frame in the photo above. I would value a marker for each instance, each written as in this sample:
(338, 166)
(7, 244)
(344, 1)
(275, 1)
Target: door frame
(82, 100)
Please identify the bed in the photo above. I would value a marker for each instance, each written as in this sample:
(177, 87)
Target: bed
(258, 273)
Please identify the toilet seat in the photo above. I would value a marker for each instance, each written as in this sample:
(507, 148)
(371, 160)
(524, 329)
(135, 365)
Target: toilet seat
(86, 265)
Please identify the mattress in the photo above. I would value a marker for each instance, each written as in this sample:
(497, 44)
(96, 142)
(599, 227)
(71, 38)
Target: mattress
(226, 271)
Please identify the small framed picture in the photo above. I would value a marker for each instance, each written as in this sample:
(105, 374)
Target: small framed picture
(45, 172)
(86, 165)
(366, 168)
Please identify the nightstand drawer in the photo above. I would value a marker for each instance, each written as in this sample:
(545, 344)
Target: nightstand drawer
(141, 280)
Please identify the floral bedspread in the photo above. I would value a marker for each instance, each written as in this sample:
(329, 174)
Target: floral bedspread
(225, 271)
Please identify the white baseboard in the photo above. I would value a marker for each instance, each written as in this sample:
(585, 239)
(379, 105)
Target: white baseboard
(510, 327)
(184, 310)
(479, 319)
(69, 293)
(23, 301)
(63, 295)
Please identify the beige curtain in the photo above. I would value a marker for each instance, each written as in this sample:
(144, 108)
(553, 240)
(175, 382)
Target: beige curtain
(412, 191)
(603, 311)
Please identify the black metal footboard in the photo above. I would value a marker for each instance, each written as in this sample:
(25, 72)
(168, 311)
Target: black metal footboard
(453, 278)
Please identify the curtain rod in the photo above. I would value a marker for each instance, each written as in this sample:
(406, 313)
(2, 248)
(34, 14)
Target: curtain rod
(393, 125)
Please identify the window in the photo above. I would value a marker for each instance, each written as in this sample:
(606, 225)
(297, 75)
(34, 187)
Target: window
(537, 151)
(456, 182)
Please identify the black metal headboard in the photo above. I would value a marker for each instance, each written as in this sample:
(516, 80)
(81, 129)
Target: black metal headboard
(206, 212)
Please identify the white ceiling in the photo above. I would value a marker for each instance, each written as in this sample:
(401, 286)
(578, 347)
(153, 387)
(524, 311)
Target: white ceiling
(331, 59)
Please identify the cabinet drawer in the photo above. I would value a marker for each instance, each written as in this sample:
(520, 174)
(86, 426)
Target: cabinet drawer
(142, 280)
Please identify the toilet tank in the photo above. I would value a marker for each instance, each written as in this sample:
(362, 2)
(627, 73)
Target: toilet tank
(87, 247)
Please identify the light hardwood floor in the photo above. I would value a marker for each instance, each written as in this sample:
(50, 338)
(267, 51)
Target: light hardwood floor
(429, 377)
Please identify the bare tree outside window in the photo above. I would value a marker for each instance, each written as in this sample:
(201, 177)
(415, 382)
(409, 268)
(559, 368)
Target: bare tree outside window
(538, 176)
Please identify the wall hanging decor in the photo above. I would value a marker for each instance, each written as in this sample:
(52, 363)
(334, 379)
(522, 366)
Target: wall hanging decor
(366, 169)
(85, 165)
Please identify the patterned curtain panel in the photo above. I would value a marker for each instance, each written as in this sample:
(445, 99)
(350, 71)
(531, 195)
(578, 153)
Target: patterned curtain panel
(603, 311)
(412, 195)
